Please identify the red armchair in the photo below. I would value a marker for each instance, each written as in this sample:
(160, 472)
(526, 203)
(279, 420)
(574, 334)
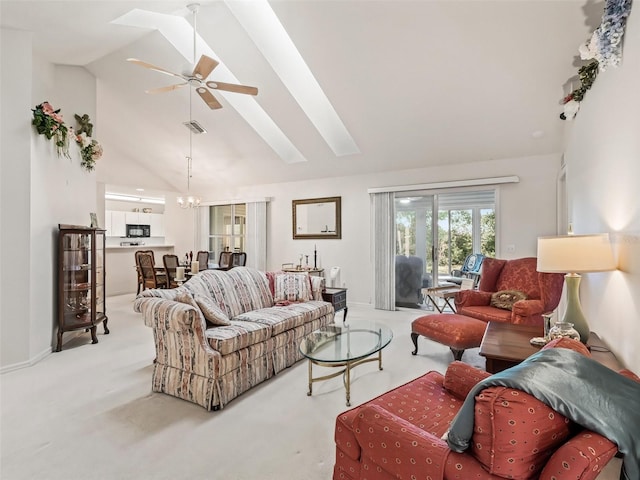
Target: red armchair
(543, 292)
(398, 435)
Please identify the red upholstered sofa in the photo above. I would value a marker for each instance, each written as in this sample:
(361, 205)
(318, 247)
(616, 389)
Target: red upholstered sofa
(543, 292)
(398, 434)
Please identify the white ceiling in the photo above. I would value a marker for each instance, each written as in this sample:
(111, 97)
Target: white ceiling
(416, 83)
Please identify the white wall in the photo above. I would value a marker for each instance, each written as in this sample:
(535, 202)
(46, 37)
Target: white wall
(15, 172)
(39, 191)
(603, 168)
(61, 191)
(527, 210)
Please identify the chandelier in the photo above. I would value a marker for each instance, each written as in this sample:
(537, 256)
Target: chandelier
(188, 201)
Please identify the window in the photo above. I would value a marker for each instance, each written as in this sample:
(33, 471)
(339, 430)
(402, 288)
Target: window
(466, 225)
(227, 229)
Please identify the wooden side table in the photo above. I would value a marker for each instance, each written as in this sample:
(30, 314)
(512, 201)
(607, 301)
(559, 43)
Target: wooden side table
(505, 345)
(338, 298)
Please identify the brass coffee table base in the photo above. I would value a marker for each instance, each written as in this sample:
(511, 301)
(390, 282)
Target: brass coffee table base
(346, 372)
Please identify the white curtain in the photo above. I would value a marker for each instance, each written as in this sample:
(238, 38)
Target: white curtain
(256, 237)
(201, 227)
(382, 238)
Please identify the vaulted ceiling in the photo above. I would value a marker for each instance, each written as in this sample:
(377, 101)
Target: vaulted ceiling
(415, 83)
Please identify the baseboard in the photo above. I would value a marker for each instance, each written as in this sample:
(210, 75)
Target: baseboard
(28, 363)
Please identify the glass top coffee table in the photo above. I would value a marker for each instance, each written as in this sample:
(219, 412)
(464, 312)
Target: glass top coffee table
(344, 346)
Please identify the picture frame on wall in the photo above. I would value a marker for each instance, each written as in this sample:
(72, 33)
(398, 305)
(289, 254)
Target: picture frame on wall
(94, 220)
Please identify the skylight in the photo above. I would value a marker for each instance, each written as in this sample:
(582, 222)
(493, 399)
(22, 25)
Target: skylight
(263, 26)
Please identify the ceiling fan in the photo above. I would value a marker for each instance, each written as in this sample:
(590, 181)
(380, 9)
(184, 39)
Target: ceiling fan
(198, 77)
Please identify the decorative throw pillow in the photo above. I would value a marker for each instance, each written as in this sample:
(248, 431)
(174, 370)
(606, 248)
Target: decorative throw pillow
(186, 297)
(211, 311)
(506, 298)
(292, 287)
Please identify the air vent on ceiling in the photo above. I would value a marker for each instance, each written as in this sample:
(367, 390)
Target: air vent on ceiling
(194, 126)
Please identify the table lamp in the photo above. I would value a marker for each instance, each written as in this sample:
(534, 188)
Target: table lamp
(573, 255)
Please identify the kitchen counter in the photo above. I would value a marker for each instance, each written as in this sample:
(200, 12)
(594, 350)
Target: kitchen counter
(137, 247)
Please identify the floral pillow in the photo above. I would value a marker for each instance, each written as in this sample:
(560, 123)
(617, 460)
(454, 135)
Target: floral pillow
(292, 287)
(506, 298)
(212, 311)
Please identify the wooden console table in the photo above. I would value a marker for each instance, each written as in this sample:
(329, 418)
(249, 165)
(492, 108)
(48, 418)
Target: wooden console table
(505, 345)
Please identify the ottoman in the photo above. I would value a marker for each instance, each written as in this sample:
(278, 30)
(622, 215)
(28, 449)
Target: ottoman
(457, 332)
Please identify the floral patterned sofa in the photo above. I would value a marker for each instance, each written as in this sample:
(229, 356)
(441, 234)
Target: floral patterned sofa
(223, 332)
(515, 436)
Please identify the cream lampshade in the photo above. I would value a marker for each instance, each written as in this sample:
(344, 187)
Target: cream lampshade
(575, 254)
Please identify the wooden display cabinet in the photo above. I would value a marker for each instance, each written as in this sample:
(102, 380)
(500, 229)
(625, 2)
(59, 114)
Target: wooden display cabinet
(81, 280)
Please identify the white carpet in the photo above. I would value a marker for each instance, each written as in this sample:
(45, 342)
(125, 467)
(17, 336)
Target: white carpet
(88, 412)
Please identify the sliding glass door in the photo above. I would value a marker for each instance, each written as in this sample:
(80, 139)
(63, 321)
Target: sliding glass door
(434, 235)
(414, 247)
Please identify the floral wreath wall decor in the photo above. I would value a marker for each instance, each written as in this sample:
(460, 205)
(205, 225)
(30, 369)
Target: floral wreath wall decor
(49, 122)
(604, 49)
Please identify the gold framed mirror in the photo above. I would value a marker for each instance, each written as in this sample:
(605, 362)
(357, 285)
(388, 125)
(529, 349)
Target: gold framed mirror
(317, 218)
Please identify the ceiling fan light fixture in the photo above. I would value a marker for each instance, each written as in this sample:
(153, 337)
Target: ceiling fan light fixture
(201, 71)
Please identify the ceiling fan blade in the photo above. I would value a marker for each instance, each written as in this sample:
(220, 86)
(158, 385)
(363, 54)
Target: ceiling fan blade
(208, 98)
(168, 88)
(204, 67)
(232, 87)
(153, 67)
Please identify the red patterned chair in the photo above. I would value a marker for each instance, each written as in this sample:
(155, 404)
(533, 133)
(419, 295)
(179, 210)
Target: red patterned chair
(543, 291)
(399, 434)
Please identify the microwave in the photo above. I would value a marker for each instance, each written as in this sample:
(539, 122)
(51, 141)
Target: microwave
(138, 231)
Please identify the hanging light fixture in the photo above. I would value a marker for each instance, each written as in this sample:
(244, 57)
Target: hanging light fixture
(188, 200)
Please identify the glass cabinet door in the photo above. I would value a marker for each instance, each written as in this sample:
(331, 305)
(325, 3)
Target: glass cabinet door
(99, 275)
(76, 270)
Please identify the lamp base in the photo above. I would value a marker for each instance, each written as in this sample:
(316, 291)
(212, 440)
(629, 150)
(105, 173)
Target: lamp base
(573, 314)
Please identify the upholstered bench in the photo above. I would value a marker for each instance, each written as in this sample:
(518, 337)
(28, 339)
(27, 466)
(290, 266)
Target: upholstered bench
(455, 331)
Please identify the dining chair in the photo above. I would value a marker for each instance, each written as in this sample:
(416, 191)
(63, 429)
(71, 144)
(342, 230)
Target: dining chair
(140, 280)
(225, 262)
(170, 263)
(139, 269)
(239, 259)
(203, 259)
(149, 277)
